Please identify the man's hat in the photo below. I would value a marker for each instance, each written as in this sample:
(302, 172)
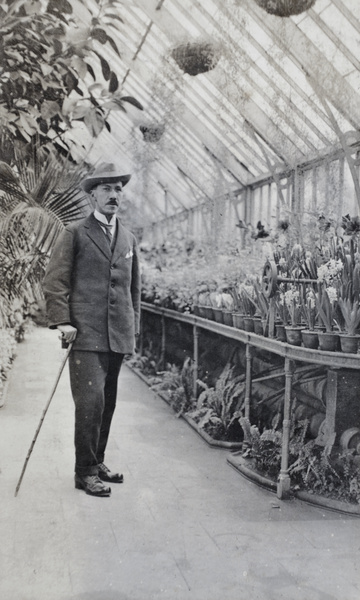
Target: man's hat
(104, 173)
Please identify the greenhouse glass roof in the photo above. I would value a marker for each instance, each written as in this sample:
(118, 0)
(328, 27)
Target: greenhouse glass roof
(274, 92)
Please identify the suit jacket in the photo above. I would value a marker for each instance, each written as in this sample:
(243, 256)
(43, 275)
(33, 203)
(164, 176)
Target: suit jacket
(93, 288)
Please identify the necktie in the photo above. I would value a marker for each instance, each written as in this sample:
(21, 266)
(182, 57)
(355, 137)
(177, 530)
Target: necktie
(107, 228)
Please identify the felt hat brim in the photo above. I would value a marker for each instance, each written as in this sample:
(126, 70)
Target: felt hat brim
(111, 177)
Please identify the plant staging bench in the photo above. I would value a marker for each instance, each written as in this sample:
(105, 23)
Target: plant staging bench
(343, 377)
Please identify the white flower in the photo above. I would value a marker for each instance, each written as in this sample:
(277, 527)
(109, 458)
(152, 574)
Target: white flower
(310, 297)
(292, 297)
(332, 293)
(330, 270)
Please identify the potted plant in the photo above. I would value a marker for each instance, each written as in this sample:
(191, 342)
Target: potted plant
(326, 301)
(262, 309)
(308, 311)
(292, 300)
(239, 311)
(196, 57)
(285, 8)
(350, 310)
(282, 314)
(247, 298)
(203, 300)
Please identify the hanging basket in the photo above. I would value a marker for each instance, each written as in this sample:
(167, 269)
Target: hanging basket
(152, 133)
(285, 8)
(196, 58)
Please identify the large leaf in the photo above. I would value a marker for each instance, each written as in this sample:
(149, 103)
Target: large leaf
(113, 84)
(132, 101)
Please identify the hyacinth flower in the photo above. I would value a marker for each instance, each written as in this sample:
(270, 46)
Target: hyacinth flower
(292, 302)
(326, 303)
(308, 307)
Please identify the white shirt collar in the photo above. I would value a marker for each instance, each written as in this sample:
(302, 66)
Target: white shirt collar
(102, 218)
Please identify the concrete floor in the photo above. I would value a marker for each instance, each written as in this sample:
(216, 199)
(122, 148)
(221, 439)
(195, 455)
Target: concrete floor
(183, 526)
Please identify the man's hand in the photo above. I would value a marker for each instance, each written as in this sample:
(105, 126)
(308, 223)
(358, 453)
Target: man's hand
(68, 333)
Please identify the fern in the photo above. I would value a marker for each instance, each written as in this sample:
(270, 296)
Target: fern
(222, 402)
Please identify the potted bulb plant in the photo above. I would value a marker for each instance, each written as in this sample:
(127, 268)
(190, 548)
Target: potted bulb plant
(326, 301)
(308, 311)
(350, 310)
(292, 301)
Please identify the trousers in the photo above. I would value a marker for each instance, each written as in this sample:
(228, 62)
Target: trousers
(93, 380)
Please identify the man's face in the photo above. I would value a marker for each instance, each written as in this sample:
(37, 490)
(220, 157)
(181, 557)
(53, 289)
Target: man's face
(107, 197)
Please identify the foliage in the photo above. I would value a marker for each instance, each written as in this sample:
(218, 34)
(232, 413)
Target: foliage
(7, 351)
(264, 448)
(218, 408)
(332, 476)
(53, 69)
(145, 363)
(291, 299)
(179, 274)
(245, 297)
(35, 203)
(351, 313)
(178, 385)
(326, 302)
(261, 301)
(308, 306)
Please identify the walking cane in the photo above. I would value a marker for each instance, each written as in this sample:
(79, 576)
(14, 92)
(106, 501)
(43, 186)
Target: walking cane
(64, 345)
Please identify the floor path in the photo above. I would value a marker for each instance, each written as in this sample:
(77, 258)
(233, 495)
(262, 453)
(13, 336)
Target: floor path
(183, 526)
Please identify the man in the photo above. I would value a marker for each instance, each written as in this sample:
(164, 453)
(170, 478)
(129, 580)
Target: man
(92, 292)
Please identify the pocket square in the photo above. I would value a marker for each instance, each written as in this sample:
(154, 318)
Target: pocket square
(129, 254)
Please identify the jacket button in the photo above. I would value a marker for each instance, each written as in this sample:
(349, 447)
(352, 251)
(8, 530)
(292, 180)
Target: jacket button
(112, 302)
(113, 285)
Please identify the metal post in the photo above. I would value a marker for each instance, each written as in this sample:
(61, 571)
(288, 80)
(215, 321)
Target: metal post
(163, 343)
(141, 336)
(249, 355)
(283, 485)
(196, 358)
(272, 318)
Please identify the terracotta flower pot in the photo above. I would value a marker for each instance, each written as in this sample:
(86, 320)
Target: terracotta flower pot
(218, 315)
(293, 335)
(265, 326)
(238, 320)
(258, 326)
(196, 310)
(349, 343)
(280, 332)
(310, 339)
(328, 340)
(202, 311)
(249, 324)
(227, 318)
(209, 312)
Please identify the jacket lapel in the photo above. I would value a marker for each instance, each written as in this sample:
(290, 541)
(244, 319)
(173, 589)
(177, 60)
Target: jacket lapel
(97, 235)
(122, 245)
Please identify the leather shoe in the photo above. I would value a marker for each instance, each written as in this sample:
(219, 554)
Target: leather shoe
(92, 485)
(106, 475)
